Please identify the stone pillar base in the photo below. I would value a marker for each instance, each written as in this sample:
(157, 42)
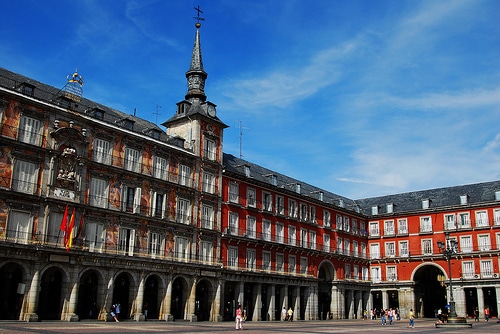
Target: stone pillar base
(168, 317)
(139, 317)
(219, 318)
(193, 318)
(31, 317)
(72, 318)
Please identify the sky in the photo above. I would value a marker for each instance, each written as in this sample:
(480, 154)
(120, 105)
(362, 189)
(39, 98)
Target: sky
(361, 98)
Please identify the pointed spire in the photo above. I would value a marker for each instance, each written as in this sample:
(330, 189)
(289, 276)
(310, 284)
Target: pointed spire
(196, 76)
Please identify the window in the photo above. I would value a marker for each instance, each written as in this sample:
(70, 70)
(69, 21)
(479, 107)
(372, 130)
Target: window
(468, 269)
(183, 211)
(403, 249)
(102, 151)
(347, 270)
(208, 183)
(496, 213)
(374, 229)
(132, 159)
(158, 205)
(303, 212)
(18, 228)
(233, 223)
(206, 250)
(266, 261)
(251, 197)
(95, 235)
(390, 249)
(303, 265)
(484, 242)
(354, 226)
(355, 248)
(338, 222)
(347, 246)
(427, 247)
(464, 199)
(30, 130)
(292, 208)
(390, 207)
(292, 236)
(347, 225)
(132, 199)
(251, 227)
(466, 244)
(374, 210)
(280, 205)
(389, 227)
(463, 220)
(376, 274)
(24, 178)
(402, 226)
(312, 213)
(267, 199)
(280, 233)
(247, 170)
(340, 245)
(303, 238)
(374, 251)
(207, 216)
(154, 244)
(209, 149)
(280, 263)
(449, 222)
(355, 272)
(326, 218)
(326, 242)
(251, 256)
(425, 224)
(364, 273)
(98, 193)
(312, 239)
(266, 230)
(160, 168)
(292, 264)
(481, 218)
(232, 257)
(391, 273)
(184, 175)
(362, 229)
(233, 192)
(181, 249)
(426, 203)
(363, 250)
(126, 241)
(486, 268)
(498, 240)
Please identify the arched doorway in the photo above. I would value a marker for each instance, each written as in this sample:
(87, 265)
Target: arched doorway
(430, 291)
(150, 299)
(230, 300)
(12, 291)
(121, 294)
(179, 298)
(325, 278)
(49, 300)
(87, 296)
(204, 298)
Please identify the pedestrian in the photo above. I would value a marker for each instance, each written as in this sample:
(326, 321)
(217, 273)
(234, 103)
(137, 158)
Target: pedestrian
(384, 317)
(283, 314)
(412, 319)
(239, 318)
(365, 314)
(487, 313)
(476, 314)
(146, 311)
(112, 311)
(290, 314)
(117, 310)
(390, 315)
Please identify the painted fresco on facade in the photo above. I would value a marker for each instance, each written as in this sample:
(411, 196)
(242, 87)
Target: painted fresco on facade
(10, 121)
(5, 166)
(3, 218)
(115, 193)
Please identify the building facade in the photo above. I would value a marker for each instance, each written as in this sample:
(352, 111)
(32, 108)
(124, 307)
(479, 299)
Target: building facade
(100, 207)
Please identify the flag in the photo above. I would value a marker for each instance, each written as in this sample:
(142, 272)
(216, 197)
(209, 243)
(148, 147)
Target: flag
(80, 226)
(64, 225)
(69, 231)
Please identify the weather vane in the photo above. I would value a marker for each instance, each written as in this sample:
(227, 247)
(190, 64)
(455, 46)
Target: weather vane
(198, 17)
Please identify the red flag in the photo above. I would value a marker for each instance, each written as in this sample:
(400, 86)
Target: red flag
(64, 220)
(80, 226)
(69, 231)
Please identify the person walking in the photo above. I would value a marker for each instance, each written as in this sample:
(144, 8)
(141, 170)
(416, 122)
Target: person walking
(239, 319)
(290, 314)
(412, 319)
(476, 314)
(112, 311)
(384, 317)
(487, 313)
(283, 314)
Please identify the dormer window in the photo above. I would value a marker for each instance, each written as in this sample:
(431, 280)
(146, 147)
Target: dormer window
(297, 188)
(375, 210)
(28, 89)
(247, 170)
(390, 208)
(464, 199)
(126, 123)
(96, 113)
(497, 195)
(155, 133)
(426, 203)
(182, 107)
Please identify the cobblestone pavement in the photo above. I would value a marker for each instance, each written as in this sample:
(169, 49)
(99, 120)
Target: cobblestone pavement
(299, 327)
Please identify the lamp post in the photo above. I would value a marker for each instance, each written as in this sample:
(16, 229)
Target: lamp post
(449, 249)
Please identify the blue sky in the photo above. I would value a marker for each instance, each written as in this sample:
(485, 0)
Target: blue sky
(362, 98)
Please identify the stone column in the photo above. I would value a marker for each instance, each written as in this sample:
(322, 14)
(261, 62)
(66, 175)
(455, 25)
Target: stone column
(296, 306)
(33, 298)
(272, 303)
(139, 299)
(480, 302)
(72, 316)
(284, 294)
(257, 310)
(337, 302)
(167, 302)
(359, 303)
(216, 311)
(192, 301)
(349, 295)
(385, 299)
(240, 294)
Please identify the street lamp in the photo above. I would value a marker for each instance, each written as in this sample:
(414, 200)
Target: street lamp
(449, 249)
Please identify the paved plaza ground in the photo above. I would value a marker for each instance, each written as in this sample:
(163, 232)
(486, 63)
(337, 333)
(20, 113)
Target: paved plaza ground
(295, 327)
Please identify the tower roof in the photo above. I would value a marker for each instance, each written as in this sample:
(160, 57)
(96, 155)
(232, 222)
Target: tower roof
(196, 76)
